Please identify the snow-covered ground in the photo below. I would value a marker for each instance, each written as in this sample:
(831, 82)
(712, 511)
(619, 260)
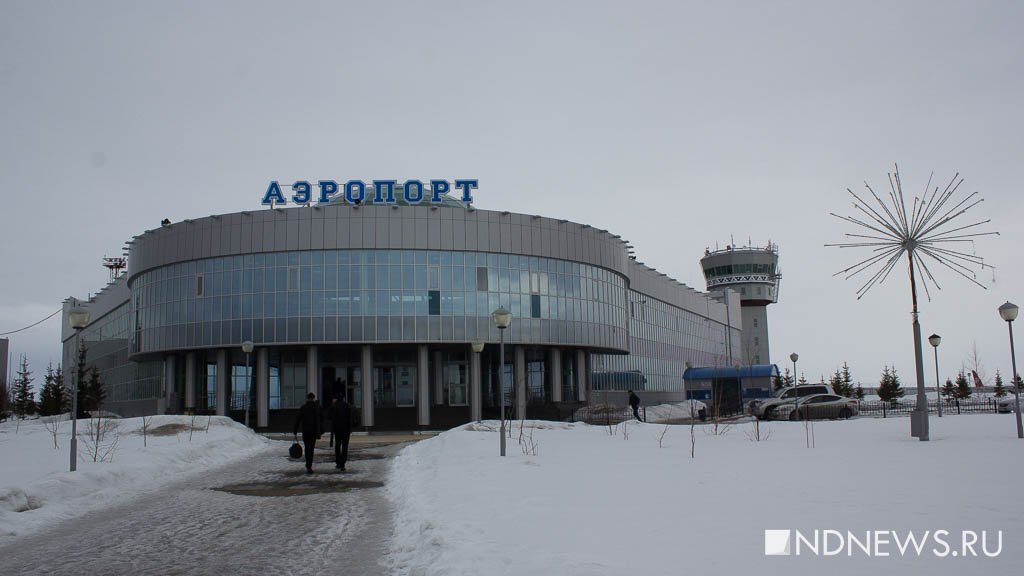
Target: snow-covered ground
(573, 499)
(584, 500)
(37, 489)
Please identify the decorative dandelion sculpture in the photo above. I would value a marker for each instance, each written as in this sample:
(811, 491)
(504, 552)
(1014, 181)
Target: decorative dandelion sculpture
(928, 233)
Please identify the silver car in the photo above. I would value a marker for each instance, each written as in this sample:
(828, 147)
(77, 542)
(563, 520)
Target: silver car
(765, 408)
(818, 407)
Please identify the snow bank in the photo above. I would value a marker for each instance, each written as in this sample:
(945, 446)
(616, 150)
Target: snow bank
(37, 490)
(588, 502)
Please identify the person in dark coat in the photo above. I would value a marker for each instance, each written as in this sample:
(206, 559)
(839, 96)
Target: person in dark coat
(341, 421)
(634, 403)
(309, 421)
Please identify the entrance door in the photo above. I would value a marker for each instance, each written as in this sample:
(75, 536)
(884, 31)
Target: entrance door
(337, 379)
(394, 386)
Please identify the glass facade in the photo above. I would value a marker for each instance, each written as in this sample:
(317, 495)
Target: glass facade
(733, 269)
(375, 296)
(662, 339)
(107, 347)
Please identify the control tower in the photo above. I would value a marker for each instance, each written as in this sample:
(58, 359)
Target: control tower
(754, 273)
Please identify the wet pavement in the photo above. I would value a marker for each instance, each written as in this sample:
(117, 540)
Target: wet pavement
(263, 515)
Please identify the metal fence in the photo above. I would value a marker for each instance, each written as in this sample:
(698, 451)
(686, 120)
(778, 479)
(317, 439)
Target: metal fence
(604, 415)
(904, 406)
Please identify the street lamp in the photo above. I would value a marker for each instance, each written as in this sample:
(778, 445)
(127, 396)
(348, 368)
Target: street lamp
(78, 317)
(502, 318)
(247, 348)
(739, 387)
(1008, 312)
(934, 340)
(796, 398)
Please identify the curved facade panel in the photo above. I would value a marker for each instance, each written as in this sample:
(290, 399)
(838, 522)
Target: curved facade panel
(345, 227)
(376, 296)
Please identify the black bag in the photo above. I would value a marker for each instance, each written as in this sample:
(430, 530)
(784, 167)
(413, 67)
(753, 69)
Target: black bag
(295, 451)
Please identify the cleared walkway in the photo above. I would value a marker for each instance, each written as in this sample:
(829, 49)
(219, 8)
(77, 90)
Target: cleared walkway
(260, 516)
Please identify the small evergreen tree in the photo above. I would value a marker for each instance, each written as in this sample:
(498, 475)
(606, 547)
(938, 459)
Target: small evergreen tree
(836, 382)
(889, 388)
(24, 398)
(948, 390)
(81, 371)
(847, 381)
(842, 382)
(1018, 383)
(963, 389)
(858, 392)
(802, 381)
(52, 398)
(999, 390)
(784, 381)
(92, 394)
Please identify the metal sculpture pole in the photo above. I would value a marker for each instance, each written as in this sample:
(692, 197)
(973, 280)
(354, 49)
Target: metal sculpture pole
(923, 232)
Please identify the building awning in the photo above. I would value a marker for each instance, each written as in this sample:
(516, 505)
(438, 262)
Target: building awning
(713, 372)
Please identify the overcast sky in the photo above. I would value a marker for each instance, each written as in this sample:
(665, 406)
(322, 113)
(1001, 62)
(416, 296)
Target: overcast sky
(678, 125)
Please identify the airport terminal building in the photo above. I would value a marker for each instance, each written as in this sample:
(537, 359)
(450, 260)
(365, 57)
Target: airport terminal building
(383, 302)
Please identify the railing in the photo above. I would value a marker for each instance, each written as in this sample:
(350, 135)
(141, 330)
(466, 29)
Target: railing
(904, 406)
(604, 415)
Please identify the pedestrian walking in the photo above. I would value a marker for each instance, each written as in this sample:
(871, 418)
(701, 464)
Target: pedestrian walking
(634, 403)
(341, 423)
(309, 421)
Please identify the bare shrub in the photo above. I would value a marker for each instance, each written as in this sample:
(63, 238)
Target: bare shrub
(755, 434)
(100, 439)
(526, 441)
(661, 437)
(52, 424)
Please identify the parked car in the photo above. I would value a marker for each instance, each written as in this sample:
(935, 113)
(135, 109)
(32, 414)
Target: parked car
(763, 409)
(818, 407)
(1006, 405)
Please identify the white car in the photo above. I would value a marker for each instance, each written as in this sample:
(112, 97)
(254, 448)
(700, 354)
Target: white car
(1006, 405)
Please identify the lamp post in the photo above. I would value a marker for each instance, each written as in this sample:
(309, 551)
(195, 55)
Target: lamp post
(934, 340)
(796, 398)
(474, 394)
(739, 390)
(502, 318)
(78, 317)
(247, 348)
(1008, 312)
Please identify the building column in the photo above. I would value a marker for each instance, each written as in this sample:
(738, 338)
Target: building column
(366, 373)
(170, 372)
(438, 379)
(581, 375)
(475, 404)
(555, 369)
(423, 385)
(520, 380)
(312, 371)
(262, 387)
(223, 383)
(588, 375)
(190, 383)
